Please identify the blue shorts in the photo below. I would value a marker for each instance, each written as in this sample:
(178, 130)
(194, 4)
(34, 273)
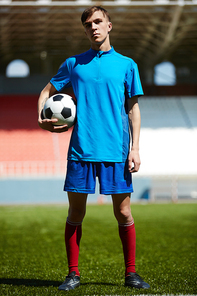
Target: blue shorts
(114, 177)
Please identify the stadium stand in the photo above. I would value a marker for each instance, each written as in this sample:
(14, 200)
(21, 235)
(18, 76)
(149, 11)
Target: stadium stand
(168, 112)
(168, 147)
(25, 149)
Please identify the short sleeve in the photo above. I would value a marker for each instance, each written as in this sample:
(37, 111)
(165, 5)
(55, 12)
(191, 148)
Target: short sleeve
(133, 83)
(62, 79)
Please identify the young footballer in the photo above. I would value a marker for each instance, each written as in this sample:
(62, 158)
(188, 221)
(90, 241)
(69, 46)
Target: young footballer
(104, 82)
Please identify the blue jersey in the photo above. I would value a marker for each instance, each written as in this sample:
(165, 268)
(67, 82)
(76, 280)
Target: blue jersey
(101, 80)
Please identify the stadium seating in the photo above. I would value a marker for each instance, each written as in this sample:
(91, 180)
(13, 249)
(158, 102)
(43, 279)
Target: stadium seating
(25, 149)
(168, 112)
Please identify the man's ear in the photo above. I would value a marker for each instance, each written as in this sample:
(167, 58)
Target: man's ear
(109, 27)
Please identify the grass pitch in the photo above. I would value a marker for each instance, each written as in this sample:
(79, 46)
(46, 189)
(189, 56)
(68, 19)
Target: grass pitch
(33, 258)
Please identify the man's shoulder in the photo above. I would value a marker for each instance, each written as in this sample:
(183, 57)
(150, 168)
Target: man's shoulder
(124, 58)
(80, 55)
(82, 58)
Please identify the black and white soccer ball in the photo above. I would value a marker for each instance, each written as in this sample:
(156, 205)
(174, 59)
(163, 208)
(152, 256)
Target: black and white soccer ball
(61, 107)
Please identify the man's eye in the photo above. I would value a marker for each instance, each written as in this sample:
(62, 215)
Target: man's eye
(87, 25)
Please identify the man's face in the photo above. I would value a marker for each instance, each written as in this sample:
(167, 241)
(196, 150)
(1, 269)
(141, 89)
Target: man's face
(97, 27)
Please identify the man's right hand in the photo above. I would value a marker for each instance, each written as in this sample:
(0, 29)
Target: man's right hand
(47, 124)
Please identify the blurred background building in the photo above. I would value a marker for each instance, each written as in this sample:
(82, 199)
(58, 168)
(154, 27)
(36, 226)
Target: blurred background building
(35, 39)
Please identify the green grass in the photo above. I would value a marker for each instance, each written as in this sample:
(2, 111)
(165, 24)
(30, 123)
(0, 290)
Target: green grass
(33, 258)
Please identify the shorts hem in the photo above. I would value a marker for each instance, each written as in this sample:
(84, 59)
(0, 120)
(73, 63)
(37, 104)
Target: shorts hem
(116, 191)
(88, 191)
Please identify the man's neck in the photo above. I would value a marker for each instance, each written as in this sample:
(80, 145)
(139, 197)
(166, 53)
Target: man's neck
(105, 46)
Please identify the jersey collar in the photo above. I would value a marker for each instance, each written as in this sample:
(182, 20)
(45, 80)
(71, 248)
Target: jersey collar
(99, 53)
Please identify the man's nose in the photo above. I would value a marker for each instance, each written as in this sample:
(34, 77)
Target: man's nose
(93, 26)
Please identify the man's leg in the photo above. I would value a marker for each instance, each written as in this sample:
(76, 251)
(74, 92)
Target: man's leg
(73, 233)
(73, 230)
(122, 212)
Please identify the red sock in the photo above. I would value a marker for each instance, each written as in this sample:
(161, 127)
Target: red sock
(73, 233)
(128, 238)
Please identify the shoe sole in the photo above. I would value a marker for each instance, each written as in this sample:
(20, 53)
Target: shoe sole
(69, 288)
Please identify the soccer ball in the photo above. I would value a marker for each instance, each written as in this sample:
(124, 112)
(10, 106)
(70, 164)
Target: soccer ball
(61, 107)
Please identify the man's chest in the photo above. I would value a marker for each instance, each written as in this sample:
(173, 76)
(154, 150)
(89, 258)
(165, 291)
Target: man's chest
(99, 70)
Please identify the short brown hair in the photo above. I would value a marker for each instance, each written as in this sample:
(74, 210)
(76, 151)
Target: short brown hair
(89, 12)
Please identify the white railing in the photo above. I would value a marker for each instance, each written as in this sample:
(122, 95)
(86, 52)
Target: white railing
(161, 187)
(173, 188)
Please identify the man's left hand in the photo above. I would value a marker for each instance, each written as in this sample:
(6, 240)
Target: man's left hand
(134, 161)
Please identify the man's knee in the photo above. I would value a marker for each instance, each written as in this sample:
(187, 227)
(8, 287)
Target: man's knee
(77, 206)
(123, 215)
(76, 214)
(122, 209)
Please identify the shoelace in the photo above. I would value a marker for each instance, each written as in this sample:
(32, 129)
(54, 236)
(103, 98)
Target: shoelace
(70, 276)
(137, 276)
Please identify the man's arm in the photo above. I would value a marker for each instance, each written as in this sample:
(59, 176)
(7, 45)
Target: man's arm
(47, 124)
(135, 124)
